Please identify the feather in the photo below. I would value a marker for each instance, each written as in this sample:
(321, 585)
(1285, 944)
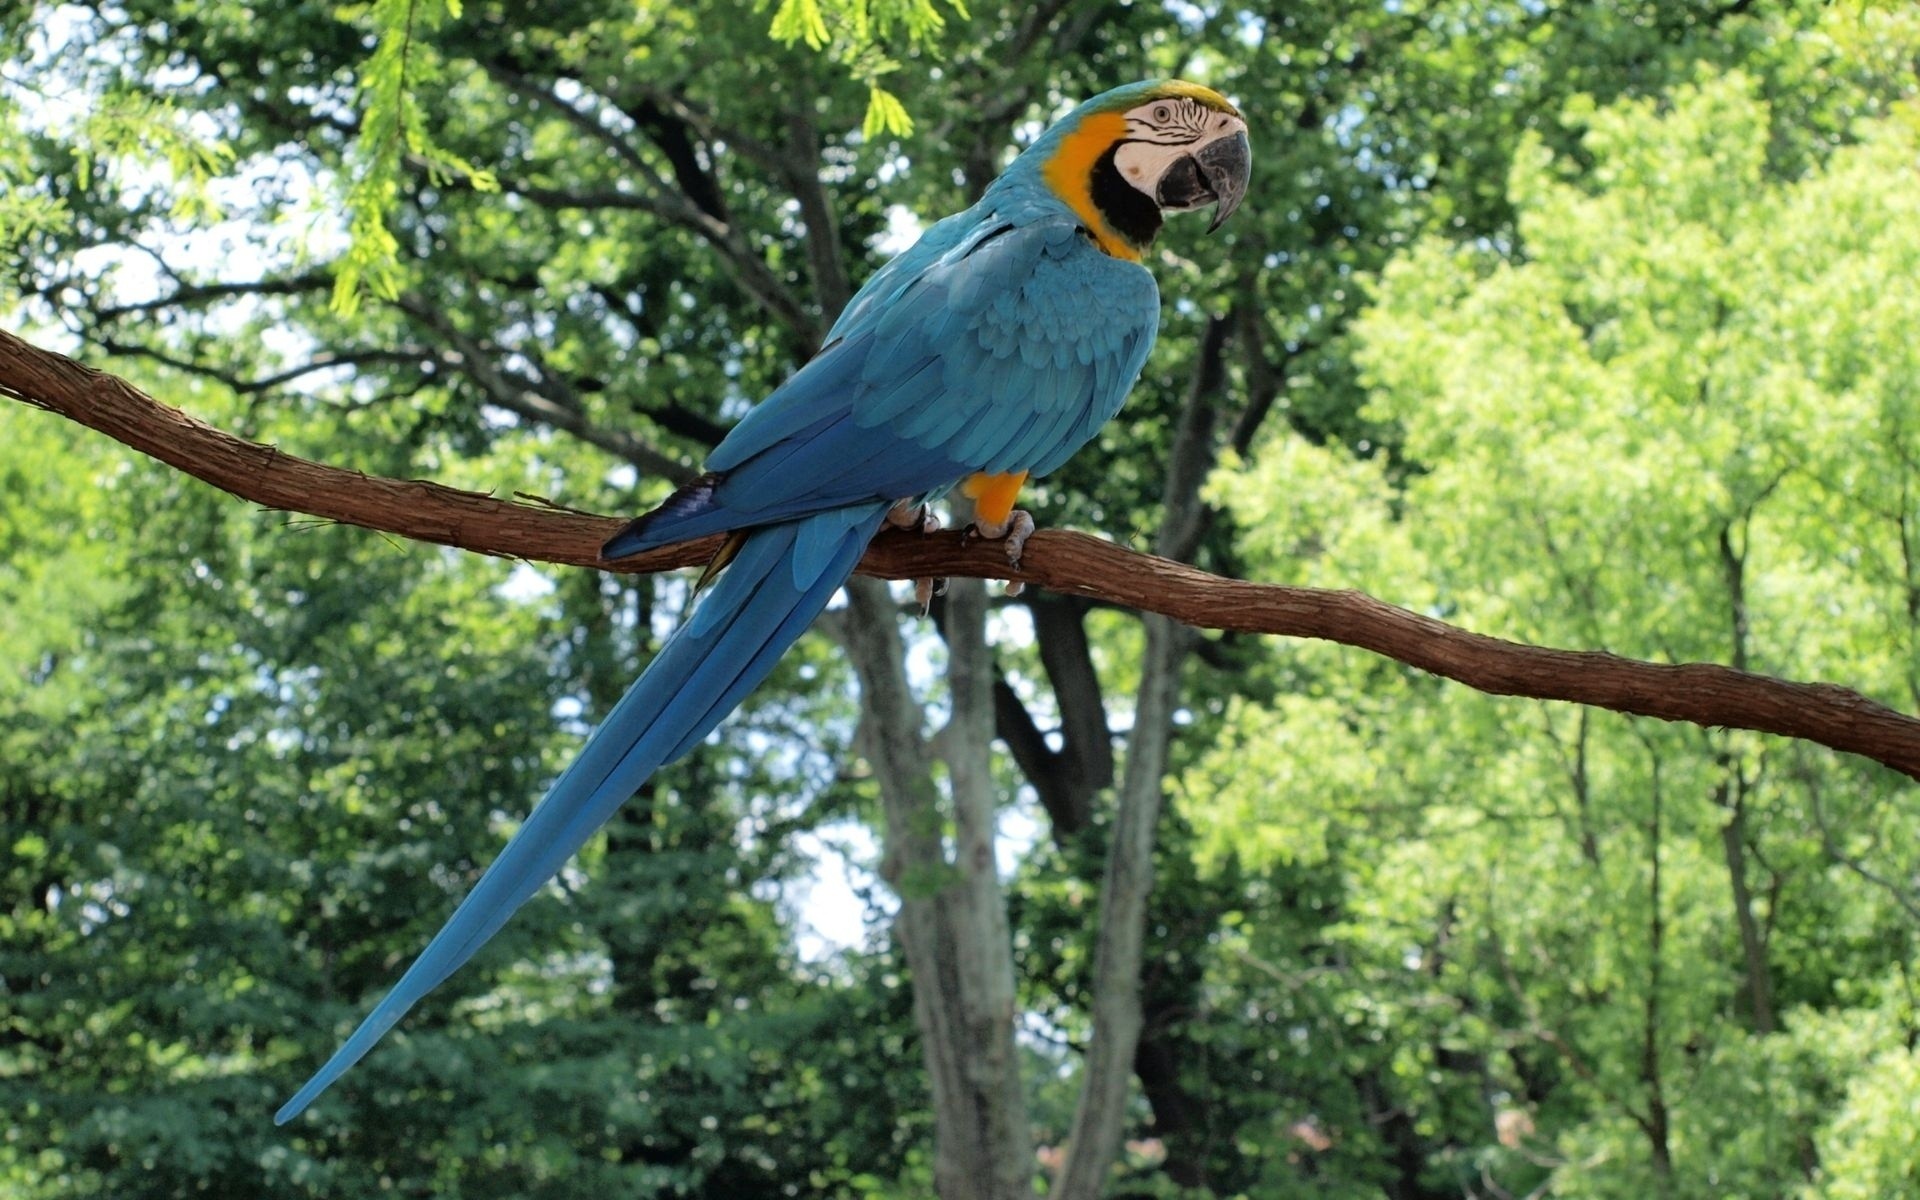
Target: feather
(740, 630)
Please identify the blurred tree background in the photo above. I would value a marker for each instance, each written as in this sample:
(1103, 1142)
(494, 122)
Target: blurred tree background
(1586, 324)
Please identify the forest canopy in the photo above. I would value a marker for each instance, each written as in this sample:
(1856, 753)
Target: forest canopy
(1584, 325)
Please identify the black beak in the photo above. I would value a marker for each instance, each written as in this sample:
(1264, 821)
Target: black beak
(1217, 175)
(1227, 165)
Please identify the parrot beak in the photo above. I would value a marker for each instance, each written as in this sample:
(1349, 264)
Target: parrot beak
(1226, 165)
(1216, 175)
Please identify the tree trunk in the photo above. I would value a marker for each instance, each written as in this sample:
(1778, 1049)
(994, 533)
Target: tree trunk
(952, 924)
(1731, 795)
(1753, 943)
(1657, 1123)
(1100, 1118)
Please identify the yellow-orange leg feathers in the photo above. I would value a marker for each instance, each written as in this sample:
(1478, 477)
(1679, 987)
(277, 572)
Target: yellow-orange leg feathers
(993, 497)
(994, 515)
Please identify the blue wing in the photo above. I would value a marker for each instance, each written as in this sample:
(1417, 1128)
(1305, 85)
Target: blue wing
(1003, 350)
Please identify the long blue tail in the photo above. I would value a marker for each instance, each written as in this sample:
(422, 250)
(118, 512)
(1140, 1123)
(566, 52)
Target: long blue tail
(780, 580)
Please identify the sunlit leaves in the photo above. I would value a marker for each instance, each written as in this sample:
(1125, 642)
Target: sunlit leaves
(1674, 418)
(26, 211)
(885, 114)
(393, 127)
(134, 129)
(801, 20)
(1872, 1147)
(857, 33)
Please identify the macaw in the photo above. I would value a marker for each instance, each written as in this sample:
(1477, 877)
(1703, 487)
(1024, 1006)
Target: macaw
(984, 355)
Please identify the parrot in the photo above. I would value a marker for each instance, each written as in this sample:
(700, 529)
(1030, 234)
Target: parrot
(983, 355)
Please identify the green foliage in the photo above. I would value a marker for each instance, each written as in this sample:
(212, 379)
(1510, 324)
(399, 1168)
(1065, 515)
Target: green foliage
(248, 767)
(406, 62)
(855, 33)
(1640, 429)
(134, 130)
(393, 124)
(1870, 1148)
(25, 215)
(1634, 372)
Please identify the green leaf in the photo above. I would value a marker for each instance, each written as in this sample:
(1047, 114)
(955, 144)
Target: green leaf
(885, 114)
(800, 20)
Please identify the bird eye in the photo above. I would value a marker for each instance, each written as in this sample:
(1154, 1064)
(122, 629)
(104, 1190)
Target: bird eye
(1162, 114)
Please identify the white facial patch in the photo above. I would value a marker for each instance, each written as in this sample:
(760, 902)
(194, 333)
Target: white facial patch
(1143, 163)
(1162, 133)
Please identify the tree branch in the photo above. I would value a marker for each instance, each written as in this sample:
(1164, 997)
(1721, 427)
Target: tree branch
(1041, 765)
(711, 129)
(197, 294)
(1071, 563)
(1067, 780)
(547, 398)
(662, 200)
(398, 356)
(830, 283)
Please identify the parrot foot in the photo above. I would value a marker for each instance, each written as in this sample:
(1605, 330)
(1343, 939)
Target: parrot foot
(924, 590)
(909, 515)
(921, 517)
(1014, 531)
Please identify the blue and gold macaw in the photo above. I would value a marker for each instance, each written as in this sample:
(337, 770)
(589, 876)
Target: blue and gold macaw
(986, 354)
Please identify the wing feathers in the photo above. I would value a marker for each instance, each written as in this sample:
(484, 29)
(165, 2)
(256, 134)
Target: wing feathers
(1006, 351)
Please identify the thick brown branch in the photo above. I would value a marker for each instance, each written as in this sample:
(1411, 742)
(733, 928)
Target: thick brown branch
(1072, 563)
(1085, 763)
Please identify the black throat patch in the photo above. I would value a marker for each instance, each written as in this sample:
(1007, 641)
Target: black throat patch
(1130, 212)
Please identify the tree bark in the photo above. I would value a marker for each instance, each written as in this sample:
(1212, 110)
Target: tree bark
(984, 945)
(1100, 1118)
(951, 924)
(1072, 563)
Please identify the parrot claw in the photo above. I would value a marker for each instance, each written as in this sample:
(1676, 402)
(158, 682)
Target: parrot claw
(924, 590)
(1015, 531)
(921, 517)
(918, 517)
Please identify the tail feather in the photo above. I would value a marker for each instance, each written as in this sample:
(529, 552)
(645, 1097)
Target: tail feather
(760, 606)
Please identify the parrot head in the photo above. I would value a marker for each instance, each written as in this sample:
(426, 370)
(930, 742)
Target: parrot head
(1126, 157)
